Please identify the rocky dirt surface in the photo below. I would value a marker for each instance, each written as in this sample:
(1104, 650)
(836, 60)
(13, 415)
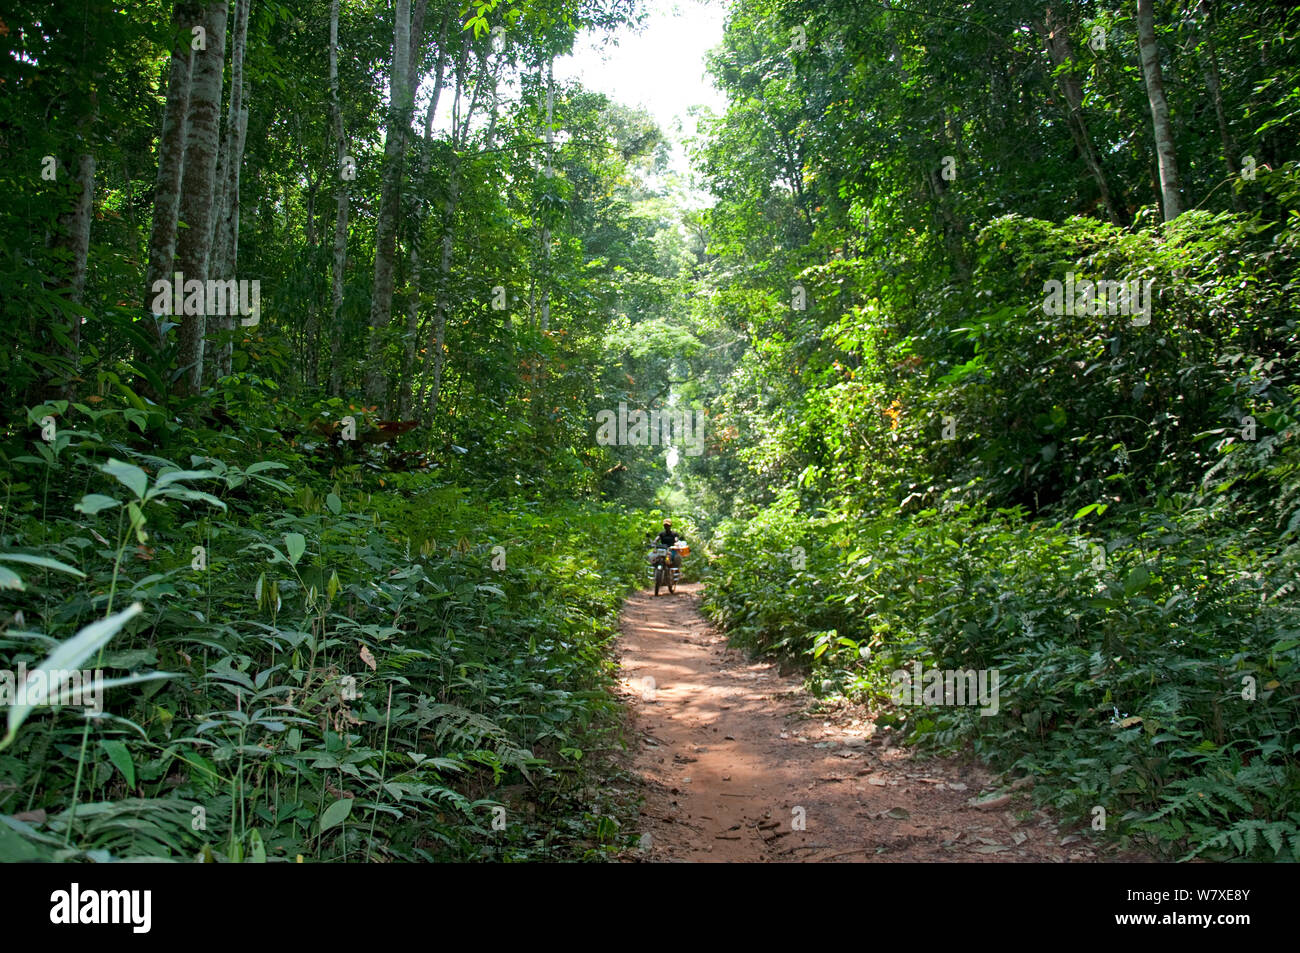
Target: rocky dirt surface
(735, 768)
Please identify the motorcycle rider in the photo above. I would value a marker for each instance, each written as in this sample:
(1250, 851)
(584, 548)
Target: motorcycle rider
(668, 538)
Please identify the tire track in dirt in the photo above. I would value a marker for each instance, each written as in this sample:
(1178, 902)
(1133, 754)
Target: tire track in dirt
(731, 762)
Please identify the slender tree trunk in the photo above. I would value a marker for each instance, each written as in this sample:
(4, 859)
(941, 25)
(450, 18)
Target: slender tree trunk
(794, 178)
(75, 224)
(74, 238)
(311, 331)
(225, 246)
(198, 184)
(444, 286)
(399, 117)
(1056, 39)
(309, 221)
(417, 33)
(952, 228)
(545, 280)
(171, 155)
(999, 94)
(1171, 189)
(1210, 61)
(229, 244)
(341, 210)
(417, 230)
(433, 357)
(225, 134)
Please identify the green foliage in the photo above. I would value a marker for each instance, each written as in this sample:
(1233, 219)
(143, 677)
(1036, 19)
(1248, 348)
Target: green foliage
(1151, 681)
(914, 460)
(347, 675)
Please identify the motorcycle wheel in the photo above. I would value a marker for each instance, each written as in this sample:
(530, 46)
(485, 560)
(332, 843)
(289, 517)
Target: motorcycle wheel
(659, 577)
(672, 580)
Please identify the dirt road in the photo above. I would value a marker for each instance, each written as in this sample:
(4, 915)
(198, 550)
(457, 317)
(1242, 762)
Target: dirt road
(734, 770)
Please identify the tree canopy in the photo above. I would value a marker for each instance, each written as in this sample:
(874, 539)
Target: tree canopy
(343, 343)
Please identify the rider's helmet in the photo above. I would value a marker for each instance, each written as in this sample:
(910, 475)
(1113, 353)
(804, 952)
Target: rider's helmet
(668, 524)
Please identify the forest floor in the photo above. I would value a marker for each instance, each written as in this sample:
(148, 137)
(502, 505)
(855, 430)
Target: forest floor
(731, 758)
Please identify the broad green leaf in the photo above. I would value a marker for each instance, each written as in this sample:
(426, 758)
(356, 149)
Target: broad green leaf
(135, 679)
(334, 503)
(121, 759)
(256, 848)
(276, 555)
(264, 465)
(92, 503)
(16, 849)
(1137, 580)
(44, 561)
(296, 544)
(129, 475)
(335, 814)
(69, 656)
(197, 495)
(138, 519)
(173, 476)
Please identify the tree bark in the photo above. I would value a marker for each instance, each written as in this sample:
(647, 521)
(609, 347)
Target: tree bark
(433, 356)
(1210, 61)
(225, 245)
(417, 229)
(444, 287)
(1171, 189)
(311, 338)
(399, 118)
(340, 212)
(74, 238)
(171, 155)
(1056, 39)
(198, 184)
(545, 278)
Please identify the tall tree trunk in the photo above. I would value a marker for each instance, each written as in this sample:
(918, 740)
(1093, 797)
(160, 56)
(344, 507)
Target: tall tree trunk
(341, 210)
(225, 244)
(417, 229)
(198, 183)
(1056, 38)
(417, 33)
(311, 332)
(439, 336)
(224, 136)
(1210, 61)
(433, 356)
(74, 238)
(1171, 189)
(309, 219)
(399, 118)
(952, 226)
(171, 155)
(545, 278)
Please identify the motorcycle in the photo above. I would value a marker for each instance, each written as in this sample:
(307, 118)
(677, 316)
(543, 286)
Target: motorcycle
(666, 575)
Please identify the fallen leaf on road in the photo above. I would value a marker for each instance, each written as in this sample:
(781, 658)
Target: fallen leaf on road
(991, 803)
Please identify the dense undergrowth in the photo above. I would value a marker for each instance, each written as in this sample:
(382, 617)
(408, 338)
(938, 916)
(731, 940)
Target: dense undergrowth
(1113, 527)
(1156, 682)
(355, 665)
